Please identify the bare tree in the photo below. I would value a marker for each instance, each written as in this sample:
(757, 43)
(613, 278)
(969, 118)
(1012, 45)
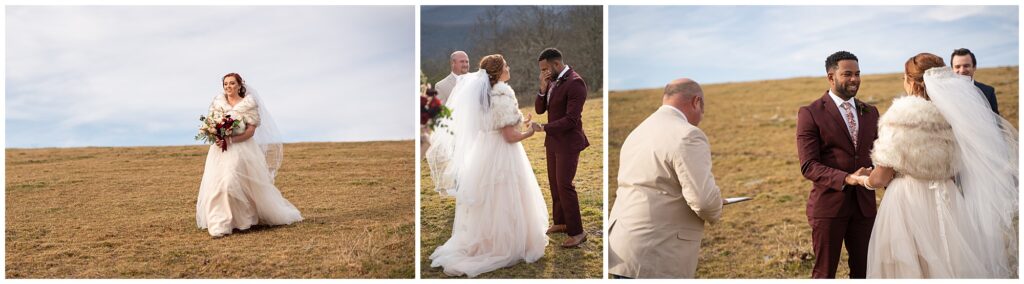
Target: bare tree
(520, 33)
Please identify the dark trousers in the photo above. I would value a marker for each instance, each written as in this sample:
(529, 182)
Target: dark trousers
(565, 204)
(828, 236)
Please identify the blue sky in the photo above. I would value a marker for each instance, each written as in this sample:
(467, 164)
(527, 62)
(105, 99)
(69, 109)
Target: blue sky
(140, 76)
(651, 45)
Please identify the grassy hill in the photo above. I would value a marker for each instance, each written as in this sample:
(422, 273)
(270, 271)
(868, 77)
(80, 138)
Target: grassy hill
(752, 130)
(587, 261)
(130, 213)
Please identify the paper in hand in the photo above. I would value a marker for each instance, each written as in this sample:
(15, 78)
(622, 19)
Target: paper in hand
(732, 200)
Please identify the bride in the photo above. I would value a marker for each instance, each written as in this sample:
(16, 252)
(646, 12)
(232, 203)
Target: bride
(500, 216)
(950, 168)
(237, 190)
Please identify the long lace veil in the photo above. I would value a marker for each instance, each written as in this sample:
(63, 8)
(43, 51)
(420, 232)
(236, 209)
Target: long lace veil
(268, 135)
(449, 147)
(987, 165)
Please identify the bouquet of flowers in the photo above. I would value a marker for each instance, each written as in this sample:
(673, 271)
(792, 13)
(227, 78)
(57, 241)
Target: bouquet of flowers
(218, 126)
(432, 111)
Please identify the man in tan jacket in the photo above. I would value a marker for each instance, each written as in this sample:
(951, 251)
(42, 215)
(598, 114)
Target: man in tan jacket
(666, 191)
(459, 63)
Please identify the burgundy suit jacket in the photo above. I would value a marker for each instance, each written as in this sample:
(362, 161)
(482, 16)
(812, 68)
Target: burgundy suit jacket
(564, 105)
(827, 155)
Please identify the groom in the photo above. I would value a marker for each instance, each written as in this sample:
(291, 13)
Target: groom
(562, 94)
(834, 137)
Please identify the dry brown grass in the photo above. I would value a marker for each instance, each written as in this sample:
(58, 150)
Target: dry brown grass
(130, 213)
(587, 261)
(752, 130)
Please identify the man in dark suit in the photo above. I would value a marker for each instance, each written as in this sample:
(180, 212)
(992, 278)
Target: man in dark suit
(834, 137)
(964, 63)
(562, 94)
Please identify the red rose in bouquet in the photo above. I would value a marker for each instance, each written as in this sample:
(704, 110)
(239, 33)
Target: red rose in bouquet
(217, 127)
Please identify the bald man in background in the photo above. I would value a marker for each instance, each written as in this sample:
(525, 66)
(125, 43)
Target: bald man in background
(666, 191)
(459, 63)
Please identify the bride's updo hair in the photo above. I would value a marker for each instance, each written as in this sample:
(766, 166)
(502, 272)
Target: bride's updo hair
(493, 64)
(241, 90)
(915, 67)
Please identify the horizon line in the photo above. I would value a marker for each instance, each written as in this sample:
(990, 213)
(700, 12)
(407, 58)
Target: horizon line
(155, 146)
(779, 79)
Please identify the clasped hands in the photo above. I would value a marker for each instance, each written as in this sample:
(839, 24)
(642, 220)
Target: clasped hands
(529, 123)
(860, 177)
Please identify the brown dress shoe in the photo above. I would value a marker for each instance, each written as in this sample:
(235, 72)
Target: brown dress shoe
(575, 241)
(556, 229)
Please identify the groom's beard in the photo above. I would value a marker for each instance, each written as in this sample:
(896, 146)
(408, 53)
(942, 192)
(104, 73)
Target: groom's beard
(848, 91)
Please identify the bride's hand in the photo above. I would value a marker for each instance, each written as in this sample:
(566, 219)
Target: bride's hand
(529, 120)
(221, 142)
(529, 132)
(537, 127)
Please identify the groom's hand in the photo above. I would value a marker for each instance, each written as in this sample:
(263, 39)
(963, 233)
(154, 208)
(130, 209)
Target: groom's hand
(537, 127)
(853, 179)
(544, 81)
(863, 172)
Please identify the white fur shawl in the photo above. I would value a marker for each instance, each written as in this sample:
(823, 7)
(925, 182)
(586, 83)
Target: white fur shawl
(504, 106)
(915, 140)
(246, 109)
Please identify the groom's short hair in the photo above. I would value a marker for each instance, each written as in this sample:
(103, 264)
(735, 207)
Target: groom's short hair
(963, 52)
(832, 62)
(550, 54)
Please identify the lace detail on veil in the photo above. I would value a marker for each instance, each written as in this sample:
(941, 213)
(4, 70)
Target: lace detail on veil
(987, 163)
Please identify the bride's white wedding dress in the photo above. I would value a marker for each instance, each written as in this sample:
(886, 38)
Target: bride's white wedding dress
(929, 226)
(500, 216)
(237, 189)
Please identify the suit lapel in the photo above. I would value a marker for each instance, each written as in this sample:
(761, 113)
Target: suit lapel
(837, 117)
(558, 83)
(864, 124)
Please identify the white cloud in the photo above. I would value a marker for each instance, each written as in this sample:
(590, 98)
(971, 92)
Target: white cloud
(650, 45)
(92, 74)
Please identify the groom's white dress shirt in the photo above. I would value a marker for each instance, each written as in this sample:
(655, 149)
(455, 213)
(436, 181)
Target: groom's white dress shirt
(839, 104)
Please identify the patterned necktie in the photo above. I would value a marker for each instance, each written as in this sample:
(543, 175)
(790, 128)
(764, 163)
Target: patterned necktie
(851, 122)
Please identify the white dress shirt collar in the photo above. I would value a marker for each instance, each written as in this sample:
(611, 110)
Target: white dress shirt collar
(839, 101)
(560, 74)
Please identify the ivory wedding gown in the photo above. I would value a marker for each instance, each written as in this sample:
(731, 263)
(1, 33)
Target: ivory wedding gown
(500, 216)
(237, 189)
(929, 226)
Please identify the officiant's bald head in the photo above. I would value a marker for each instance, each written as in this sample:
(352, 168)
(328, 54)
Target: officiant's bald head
(459, 62)
(685, 95)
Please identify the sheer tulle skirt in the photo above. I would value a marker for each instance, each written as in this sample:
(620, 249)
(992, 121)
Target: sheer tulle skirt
(237, 192)
(920, 232)
(500, 214)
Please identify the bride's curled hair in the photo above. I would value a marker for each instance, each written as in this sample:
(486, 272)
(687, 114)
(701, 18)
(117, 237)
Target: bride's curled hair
(493, 64)
(238, 78)
(915, 67)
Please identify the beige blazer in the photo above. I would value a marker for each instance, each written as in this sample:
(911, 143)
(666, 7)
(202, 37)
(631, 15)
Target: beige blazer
(666, 193)
(445, 86)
